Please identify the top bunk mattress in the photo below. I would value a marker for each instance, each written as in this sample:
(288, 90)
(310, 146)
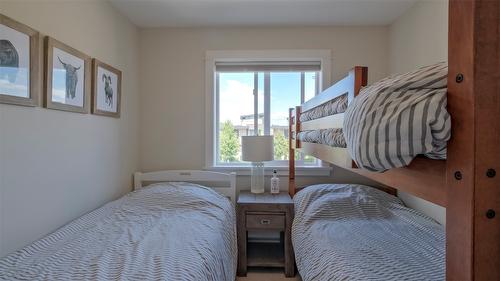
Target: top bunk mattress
(355, 232)
(392, 121)
(168, 231)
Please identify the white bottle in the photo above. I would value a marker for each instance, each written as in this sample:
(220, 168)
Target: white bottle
(275, 183)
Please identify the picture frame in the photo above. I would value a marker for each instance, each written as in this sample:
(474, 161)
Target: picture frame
(67, 77)
(106, 89)
(20, 63)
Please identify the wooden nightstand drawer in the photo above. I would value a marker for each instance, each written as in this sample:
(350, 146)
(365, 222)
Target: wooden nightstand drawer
(265, 221)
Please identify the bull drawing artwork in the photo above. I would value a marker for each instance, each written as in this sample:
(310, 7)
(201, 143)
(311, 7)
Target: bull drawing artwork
(108, 90)
(9, 59)
(71, 78)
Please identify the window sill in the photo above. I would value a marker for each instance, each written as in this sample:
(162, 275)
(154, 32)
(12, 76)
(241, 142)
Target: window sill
(282, 171)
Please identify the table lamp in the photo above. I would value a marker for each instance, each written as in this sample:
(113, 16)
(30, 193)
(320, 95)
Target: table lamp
(257, 149)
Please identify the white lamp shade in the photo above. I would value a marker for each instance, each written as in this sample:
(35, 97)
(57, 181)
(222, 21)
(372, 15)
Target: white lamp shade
(257, 148)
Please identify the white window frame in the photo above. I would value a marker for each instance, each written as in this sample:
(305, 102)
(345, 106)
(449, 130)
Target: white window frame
(211, 57)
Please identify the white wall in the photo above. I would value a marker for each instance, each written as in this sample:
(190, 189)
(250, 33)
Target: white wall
(55, 166)
(418, 38)
(172, 73)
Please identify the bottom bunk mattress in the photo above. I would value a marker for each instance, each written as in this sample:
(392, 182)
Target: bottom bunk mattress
(168, 231)
(355, 232)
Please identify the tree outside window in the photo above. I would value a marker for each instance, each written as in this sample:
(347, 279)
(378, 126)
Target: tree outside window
(229, 143)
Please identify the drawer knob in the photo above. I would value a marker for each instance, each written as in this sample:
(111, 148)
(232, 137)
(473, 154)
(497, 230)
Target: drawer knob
(265, 221)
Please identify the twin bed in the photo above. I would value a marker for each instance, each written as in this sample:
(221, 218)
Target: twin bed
(170, 230)
(356, 232)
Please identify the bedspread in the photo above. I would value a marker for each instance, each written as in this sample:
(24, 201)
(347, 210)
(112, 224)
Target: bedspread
(355, 232)
(392, 121)
(168, 231)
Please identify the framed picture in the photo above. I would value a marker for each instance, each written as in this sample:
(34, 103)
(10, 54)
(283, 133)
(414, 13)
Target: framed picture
(106, 89)
(67, 77)
(20, 72)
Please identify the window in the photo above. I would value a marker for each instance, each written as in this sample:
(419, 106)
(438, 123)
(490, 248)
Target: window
(253, 99)
(280, 79)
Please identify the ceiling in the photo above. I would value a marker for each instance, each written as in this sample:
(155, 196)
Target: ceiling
(221, 13)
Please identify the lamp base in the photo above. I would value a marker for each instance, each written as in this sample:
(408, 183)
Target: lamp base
(257, 178)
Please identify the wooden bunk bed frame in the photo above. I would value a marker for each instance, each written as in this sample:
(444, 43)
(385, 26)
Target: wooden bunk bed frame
(466, 183)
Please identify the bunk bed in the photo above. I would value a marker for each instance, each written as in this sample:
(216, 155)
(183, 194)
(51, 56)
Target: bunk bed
(466, 182)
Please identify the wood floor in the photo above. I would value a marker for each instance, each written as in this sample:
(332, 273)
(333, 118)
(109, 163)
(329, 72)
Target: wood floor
(267, 275)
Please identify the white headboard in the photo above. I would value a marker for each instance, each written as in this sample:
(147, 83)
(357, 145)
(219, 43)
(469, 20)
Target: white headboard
(194, 176)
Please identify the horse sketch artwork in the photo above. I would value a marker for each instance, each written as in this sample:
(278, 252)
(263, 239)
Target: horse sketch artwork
(71, 79)
(14, 62)
(68, 78)
(106, 96)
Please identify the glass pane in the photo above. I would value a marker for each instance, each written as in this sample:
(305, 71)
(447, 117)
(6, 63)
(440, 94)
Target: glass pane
(285, 93)
(309, 85)
(235, 114)
(260, 102)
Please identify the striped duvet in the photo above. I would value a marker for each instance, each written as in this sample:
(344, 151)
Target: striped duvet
(354, 232)
(392, 121)
(170, 231)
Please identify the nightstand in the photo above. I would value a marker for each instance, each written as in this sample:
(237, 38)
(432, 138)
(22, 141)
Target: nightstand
(265, 212)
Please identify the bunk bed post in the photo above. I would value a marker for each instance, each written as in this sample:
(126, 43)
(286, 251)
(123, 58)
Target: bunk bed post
(292, 187)
(291, 155)
(297, 126)
(473, 188)
(359, 74)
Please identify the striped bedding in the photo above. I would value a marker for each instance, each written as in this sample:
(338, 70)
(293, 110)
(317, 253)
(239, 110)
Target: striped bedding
(335, 106)
(392, 121)
(330, 137)
(168, 231)
(354, 232)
